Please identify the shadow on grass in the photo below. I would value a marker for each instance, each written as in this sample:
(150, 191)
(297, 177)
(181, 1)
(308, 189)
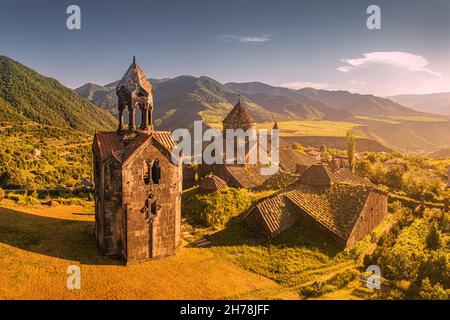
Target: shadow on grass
(237, 234)
(83, 214)
(65, 239)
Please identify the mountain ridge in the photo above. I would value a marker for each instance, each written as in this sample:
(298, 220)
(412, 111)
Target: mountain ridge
(438, 103)
(203, 98)
(26, 95)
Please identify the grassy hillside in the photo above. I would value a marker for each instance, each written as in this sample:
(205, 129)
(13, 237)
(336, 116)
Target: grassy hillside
(35, 156)
(25, 95)
(38, 244)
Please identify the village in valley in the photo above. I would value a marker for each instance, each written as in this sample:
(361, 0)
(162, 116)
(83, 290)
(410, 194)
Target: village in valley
(146, 225)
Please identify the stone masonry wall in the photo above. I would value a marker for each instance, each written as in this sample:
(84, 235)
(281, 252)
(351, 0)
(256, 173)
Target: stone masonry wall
(374, 211)
(146, 237)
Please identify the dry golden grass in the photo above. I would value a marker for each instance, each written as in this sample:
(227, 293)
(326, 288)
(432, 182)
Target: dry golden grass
(38, 244)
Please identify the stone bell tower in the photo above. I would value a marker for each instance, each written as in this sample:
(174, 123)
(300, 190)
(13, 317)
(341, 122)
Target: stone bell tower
(135, 94)
(138, 180)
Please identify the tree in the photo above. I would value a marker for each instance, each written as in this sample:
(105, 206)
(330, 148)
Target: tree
(432, 292)
(2, 193)
(364, 168)
(434, 240)
(297, 146)
(351, 147)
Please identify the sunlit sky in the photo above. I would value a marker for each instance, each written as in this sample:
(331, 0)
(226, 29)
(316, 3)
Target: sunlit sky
(323, 44)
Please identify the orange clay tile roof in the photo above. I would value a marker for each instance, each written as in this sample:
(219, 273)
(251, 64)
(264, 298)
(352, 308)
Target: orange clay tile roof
(247, 177)
(336, 208)
(278, 214)
(134, 78)
(238, 115)
(319, 175)
(110, 144)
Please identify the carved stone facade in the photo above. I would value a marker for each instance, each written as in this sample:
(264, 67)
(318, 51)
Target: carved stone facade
(138, 182)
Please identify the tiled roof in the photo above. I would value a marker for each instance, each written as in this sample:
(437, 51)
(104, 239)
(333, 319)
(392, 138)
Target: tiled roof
(319, 175)
(238, 115)
(346, 175)
(336, 208)
(134, 78)
(278, 214)
(111, 144)
(107, 143)
(289, 159)
(247, 177)
(165, 139)
(212, 183)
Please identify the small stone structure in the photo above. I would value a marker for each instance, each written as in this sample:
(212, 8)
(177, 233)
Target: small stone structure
(212, 183)
(237, 173)
(343, 206)
(137, 183)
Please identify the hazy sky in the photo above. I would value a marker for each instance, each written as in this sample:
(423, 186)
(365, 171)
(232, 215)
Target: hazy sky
(292, 43)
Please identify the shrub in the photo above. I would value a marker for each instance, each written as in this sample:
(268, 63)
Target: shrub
(339, 281)
(297, 146)
(217, 208)
(434, 240)
(432, 292)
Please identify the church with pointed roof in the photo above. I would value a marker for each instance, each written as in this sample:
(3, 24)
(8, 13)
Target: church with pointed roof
(138, 179)
(238, 172)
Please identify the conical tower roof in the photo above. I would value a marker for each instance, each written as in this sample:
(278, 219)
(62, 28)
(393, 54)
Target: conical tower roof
(134, 78)
(238, 115)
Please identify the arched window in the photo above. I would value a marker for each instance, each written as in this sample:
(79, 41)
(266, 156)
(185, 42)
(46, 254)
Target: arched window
(156, 172)
(146, 175)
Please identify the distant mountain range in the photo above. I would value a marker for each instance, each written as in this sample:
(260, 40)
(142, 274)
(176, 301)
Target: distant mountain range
(438, 103)
(25, 96)
(181, 100)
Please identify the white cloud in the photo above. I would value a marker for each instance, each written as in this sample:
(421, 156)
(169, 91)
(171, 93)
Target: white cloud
(402, 60)
(247, 38)
(306, 84)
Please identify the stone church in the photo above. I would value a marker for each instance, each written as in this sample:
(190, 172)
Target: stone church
(137, 184)
(240, 173)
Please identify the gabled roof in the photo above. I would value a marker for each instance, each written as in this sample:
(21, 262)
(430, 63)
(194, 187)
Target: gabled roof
(346, 175)
(212, 183)
(246, 177)
(134, 78)
(238, 115)
(319, 175)
(278, 214)
(290, 158)
(112, 145)
(336, 208)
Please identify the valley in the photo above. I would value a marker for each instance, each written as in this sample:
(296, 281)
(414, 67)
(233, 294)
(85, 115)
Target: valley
(305, 112)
